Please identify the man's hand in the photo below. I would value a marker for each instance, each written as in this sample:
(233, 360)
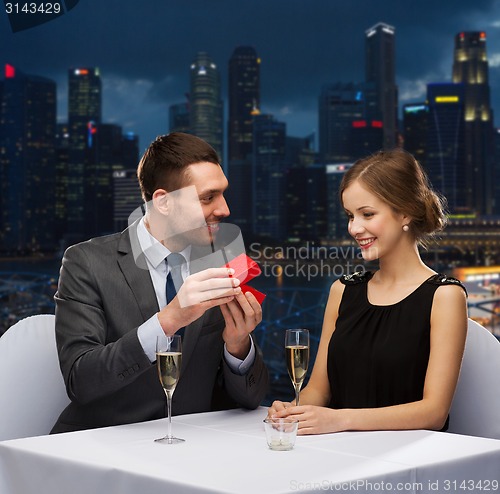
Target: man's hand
(199, 292)
(242, 314)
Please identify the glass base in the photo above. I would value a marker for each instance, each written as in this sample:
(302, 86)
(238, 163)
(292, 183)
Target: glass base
(169, 440)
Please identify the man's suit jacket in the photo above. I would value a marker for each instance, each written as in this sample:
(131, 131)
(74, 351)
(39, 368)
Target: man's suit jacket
(102, 298)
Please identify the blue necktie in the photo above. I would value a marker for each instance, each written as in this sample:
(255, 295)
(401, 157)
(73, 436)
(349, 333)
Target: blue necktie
(174, 278)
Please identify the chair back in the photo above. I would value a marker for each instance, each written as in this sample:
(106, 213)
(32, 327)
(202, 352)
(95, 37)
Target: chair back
(32, 388)
(475, 406)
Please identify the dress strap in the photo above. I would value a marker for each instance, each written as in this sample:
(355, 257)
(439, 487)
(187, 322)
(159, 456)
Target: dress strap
(442, 279)
(356, 277)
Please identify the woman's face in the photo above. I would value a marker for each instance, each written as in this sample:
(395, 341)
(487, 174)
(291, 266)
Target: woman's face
(375, 226)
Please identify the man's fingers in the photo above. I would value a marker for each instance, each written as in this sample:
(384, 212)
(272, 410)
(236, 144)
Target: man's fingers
(232, 311)
(188, 297)
(250, 306)
(217, 283)
(257, 308)
(209, 273)
(222, 301)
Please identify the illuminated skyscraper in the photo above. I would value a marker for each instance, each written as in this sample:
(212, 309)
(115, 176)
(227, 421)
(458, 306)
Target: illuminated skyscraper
(415, 127)
(84, 115)
(380, 70)
(27, 162)
(339, 105)
(104, 156)
(244, 104)
(84, 102)
(470, 67)
(445, 157)
(205, 104)
(244, 100)
(348, 129)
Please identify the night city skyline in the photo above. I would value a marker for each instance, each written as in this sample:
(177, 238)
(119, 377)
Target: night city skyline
(354, 118)
(143, 58)
(144, 55)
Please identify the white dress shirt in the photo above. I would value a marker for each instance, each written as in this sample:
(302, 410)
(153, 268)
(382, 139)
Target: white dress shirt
(155, 253)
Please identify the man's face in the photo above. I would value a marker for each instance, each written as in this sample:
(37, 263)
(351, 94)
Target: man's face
(199, 206)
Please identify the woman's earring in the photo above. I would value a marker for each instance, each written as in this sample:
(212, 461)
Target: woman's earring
(406, 228)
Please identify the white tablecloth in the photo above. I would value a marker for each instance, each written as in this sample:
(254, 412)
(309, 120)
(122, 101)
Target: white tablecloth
(227, 452)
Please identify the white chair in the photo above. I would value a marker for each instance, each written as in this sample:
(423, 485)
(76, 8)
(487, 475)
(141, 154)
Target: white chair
(32, 389)
(475, 407)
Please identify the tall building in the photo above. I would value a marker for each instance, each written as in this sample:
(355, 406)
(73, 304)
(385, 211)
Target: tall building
(27, 162)
(205, 103)
(104, 156)
(61, 181)
(348, 129)
(337, 219)
(268, 177)
(178, 118)
(415, 129)
(470, 67)
(339, 105)
(130, 150)
(380, 70)
(126, 197)
(244, 104)
(305, 191)
(84, 116)
(299, 151)
(244, 101)
(496, 173)
(306, 203)
(445, 157)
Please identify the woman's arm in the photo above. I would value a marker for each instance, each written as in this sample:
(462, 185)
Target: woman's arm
(448, 333)
(317, 391)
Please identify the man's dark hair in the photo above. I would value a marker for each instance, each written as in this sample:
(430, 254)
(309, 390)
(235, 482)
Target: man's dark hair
(163, 165)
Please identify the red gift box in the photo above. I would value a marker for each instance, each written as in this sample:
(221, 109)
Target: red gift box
(246, 269)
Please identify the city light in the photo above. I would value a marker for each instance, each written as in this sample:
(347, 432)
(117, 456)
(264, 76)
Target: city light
(10, 71)
(415, 108)
(446, 99)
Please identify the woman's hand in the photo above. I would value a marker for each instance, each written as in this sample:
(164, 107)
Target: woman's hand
(312, 419)
(278, 406)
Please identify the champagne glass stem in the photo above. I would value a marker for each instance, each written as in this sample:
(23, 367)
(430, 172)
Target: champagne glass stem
(169, 413)
(297, 393)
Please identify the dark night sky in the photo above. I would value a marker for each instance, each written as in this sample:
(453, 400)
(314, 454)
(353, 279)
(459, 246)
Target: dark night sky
(144, 49)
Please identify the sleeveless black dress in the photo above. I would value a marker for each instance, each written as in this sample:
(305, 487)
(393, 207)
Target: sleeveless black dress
(378, 355)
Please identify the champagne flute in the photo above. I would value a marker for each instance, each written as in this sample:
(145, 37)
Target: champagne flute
(297, 357)
(168, 363)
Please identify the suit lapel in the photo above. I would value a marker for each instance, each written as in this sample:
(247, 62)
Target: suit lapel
(133, 265)
(134, 268)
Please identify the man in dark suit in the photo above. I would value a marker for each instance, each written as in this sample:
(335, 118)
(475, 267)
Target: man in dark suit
(111, 303)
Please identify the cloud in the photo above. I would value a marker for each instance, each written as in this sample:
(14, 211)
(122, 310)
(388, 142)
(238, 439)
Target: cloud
(412, 90)
(494, 60)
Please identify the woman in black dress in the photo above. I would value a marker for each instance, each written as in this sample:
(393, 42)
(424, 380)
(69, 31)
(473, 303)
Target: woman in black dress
(392, 341)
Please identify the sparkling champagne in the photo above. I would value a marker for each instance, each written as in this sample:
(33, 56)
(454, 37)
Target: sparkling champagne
(297, 361)
(169, 369)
